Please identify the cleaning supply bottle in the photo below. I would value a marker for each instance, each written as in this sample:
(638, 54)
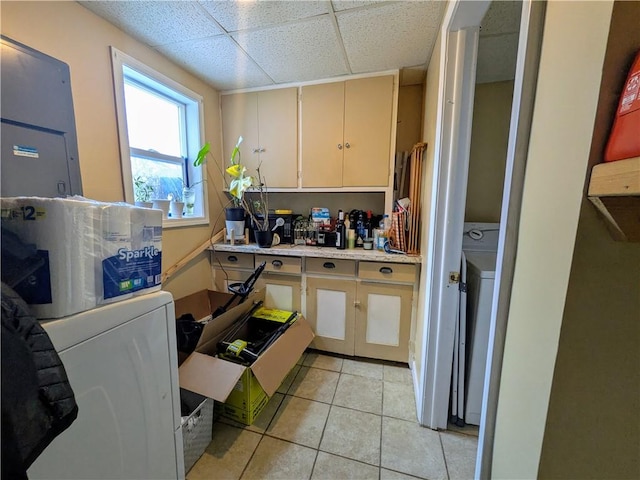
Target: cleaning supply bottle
(341, 232)
(383, 231)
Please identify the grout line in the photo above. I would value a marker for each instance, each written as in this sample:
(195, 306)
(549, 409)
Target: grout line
(444, 457)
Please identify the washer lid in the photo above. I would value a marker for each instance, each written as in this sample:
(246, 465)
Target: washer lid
(484, 263)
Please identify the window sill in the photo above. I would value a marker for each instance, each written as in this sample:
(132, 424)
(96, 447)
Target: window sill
(184, 222)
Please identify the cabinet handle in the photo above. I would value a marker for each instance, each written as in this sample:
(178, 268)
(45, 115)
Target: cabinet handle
(386, 270)
(356, 303)
(256, 150)
(339, 146)
(232, 258)
(277, 263)
(329, 265)
(347, 145)
(262, 150)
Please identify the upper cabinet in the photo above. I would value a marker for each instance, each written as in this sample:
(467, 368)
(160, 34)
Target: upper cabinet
(346, 133)
(268, 122)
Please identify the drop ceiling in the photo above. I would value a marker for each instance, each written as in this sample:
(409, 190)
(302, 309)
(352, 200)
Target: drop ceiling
(234, 45)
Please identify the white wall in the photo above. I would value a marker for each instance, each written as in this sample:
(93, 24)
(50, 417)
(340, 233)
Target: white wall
(575, 37)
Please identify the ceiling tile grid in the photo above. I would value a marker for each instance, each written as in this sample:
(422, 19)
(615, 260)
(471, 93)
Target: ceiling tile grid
(235, 16)
(390, 36)
(218, 61)
(300, 52)
(253, 43)
(157, 23)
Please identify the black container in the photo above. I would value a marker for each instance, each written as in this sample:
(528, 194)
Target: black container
(285, 232)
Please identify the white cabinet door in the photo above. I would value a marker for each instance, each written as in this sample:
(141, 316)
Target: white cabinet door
(383, 321)
(331, 313)
(281, 291)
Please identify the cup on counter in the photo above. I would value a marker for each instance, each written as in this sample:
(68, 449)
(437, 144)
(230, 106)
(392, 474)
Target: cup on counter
(368, 244)
(351, 238)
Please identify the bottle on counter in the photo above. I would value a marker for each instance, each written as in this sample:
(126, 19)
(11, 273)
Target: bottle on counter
(368, 225)
(383, 231)
(360, 230)
(341, 232)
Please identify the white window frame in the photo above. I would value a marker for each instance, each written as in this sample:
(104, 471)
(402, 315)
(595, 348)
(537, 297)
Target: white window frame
(122, 62)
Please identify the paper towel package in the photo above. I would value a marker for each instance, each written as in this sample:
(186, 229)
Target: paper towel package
(74, 254)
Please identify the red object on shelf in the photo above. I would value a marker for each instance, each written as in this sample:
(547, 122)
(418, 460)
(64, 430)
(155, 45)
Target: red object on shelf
(624, 140)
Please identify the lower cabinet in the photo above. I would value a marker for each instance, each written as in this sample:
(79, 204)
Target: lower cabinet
(230, 268)
(331, 313)
(383, 321)
(357, 308)
(360, 317)
(282, 292)
(281, 281)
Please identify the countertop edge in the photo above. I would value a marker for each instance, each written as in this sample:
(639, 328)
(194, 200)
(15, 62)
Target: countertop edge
(320, 252)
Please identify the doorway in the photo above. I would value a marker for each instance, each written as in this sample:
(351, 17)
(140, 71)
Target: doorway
(459, 49)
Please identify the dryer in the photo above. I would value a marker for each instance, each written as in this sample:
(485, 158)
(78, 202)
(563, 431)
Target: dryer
(479, 245)
(121, 360)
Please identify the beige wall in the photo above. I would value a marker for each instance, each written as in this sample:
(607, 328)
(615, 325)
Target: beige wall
(73, 34)
(431, 88)
(593, 424)
(488, 154)
(575, 35)
(409, 131)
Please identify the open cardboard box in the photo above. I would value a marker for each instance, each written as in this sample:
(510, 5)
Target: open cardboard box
(216, 378)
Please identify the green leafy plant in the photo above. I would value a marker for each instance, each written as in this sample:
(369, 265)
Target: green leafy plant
(242, 183)
(142, 191)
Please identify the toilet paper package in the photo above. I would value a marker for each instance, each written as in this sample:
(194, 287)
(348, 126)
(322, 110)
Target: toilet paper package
(146, 239)
(63, 237)
(70, 255)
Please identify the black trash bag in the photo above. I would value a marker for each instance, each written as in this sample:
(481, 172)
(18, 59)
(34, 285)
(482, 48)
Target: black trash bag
(188, 332)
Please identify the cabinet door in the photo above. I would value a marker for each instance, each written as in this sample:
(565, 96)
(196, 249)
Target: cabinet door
(322, 134)
(240, 117)
(223, 278)
(368, 112)
(331, 314)
(278, 132)
(383, 321)
(281, 291)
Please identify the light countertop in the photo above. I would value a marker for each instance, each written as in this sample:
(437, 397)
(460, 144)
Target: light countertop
(319, 252)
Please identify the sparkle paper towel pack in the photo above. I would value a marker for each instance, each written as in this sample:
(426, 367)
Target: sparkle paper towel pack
(87, 253)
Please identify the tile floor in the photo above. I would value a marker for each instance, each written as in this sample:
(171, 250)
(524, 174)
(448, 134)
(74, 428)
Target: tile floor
(338, 418)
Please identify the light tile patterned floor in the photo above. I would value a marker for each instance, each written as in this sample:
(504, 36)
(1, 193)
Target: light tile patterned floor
(338, 418)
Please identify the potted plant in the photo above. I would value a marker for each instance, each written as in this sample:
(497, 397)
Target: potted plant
(142, 192)
(239, 186)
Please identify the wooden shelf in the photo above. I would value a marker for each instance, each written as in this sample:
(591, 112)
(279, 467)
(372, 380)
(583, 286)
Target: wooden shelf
(614, 189)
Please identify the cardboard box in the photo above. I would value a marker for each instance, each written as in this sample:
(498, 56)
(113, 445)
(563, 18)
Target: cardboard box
(244, 390)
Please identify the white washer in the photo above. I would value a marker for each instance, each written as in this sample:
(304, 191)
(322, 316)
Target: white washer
(480, 244)
(121, 360)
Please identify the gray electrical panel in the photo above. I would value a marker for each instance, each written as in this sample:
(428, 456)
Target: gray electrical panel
(39, 148)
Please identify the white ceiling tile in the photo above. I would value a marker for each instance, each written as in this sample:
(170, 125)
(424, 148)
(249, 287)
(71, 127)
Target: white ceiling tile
(219, 61)
(502, 17)
(497, 58)
(340, 5)
(296, 52)
(157, 23)
(234, 16)
(392, 36)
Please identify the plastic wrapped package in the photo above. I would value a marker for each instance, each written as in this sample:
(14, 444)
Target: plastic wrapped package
(85, 253)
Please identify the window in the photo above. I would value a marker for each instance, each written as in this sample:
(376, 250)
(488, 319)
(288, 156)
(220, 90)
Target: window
(160, 129)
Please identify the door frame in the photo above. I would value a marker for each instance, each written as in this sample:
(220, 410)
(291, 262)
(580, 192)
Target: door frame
(455, 104)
